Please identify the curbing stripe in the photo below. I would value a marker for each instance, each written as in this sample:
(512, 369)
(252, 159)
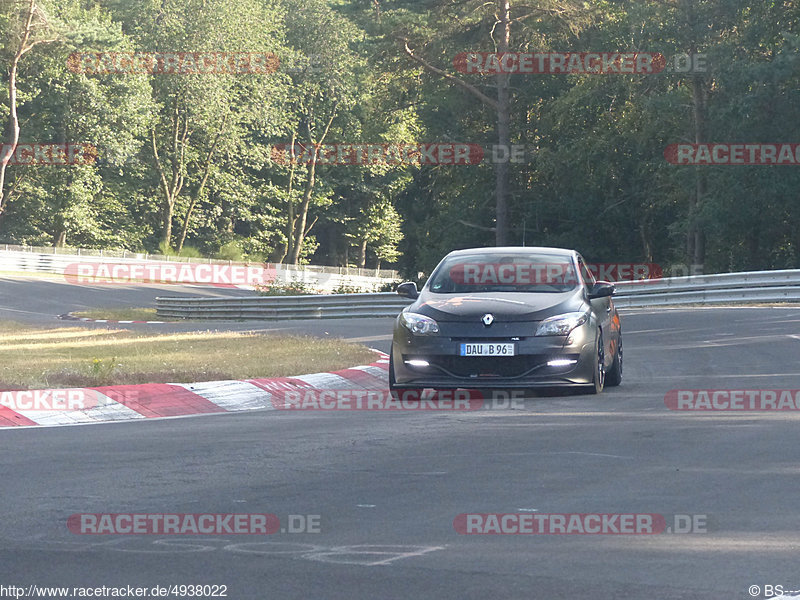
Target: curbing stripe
(160, 399)
(276, 388)
(377, 371)
(361, 378)
(326, 381)
(232, 395)
(10, 418)
(164, 400)
(109, 410)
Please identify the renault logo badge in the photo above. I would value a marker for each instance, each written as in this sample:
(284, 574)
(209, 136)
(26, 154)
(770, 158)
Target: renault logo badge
(488, 319)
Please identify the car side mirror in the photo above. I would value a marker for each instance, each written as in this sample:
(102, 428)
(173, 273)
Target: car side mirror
(408, 290)
(602, 289)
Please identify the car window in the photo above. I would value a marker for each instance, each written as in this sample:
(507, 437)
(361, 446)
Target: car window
(504, 272)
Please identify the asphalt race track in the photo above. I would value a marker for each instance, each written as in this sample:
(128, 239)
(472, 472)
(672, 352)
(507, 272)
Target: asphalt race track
(43, 299)
(387, 485)
(40, 301)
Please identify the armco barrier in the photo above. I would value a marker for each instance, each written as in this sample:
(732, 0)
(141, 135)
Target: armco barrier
(723, 288)
(278, 308)
(727, 288)
(21, 259)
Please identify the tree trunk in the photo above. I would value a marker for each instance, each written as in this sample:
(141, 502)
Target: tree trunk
(290, 218)
(173, 187)
(362, 253)
(302, 215)
(13, 118)
(695, 244)
(13, 127)
(647, 248)
(166, 225)
(185, 225)
(196, 197)
(696, 233)
(503, 130)
(300, 231)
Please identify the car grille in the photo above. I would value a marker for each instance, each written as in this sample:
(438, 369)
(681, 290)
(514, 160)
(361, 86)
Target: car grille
(488, 366)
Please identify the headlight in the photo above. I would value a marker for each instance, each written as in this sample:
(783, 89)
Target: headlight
(419, 324)
(562, 324)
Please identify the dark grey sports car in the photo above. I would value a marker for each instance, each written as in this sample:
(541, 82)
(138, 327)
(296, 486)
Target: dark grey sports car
(508, 318)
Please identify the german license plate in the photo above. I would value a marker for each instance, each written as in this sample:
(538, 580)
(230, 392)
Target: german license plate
(487, 350)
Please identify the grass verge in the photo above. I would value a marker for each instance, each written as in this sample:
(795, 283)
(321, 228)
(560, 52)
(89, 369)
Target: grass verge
(48, 357)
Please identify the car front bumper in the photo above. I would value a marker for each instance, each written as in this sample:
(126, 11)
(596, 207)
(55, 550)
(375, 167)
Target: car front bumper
(528, 368)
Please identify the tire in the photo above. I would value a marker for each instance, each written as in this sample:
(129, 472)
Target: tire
(614, 375)
(598, 382)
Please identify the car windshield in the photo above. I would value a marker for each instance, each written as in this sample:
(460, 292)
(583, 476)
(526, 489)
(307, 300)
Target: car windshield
(504, 272)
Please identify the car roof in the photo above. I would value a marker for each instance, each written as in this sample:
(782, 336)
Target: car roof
(515, 250)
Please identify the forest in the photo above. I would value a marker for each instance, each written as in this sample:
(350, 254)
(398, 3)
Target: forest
(386, 133)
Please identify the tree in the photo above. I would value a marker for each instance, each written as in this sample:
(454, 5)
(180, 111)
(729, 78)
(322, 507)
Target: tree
(496, 20)
(27, 26)
(318, 37)
(203, 115)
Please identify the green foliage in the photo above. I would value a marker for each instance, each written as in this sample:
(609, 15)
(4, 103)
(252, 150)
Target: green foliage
(186, 251)
(593, 175)
(231, 251)
(390, 286)
(346, 288)
(295, 287)
(102, 371)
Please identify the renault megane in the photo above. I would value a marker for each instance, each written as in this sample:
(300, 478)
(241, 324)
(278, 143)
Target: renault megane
(504, 318)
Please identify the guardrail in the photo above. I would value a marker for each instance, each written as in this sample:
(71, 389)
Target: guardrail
(277, 308)
(723, 288)
(56, 263)
(727, 288)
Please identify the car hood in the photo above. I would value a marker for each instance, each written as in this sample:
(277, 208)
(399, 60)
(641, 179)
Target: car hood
(504, 306)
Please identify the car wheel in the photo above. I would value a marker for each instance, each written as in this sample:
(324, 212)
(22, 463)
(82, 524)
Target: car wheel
(614, 375)
(599, 366)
